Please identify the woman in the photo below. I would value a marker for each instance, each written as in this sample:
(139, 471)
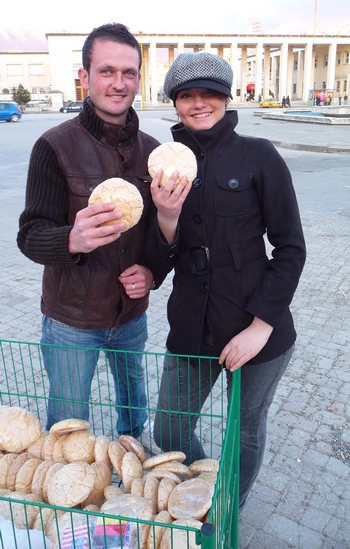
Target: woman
(229, 299)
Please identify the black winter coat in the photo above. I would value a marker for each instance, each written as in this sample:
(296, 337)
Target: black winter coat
(223, 277)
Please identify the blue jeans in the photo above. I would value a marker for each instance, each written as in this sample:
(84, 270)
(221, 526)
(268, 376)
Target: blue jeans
(71, 368)
(183, 391)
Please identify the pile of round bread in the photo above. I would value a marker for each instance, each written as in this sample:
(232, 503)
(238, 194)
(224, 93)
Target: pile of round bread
(70, 466)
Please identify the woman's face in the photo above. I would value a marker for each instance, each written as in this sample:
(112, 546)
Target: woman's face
(200, 108)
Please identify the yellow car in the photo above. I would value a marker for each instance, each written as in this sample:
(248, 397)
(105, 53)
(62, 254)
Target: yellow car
(272, 102)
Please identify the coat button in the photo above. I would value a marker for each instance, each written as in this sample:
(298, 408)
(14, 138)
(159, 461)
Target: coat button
(233, 183)
(196, 183)
(198, 218)
(204, 288)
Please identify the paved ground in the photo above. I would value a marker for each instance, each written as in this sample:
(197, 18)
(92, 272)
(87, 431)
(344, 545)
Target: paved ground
(302, 498)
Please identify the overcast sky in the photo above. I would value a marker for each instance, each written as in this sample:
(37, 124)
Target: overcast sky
(183, 16)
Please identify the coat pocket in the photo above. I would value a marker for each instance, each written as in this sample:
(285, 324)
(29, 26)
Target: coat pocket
(232, 194)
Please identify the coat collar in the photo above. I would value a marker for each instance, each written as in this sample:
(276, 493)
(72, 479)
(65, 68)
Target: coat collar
(109, 134)
(205, 139)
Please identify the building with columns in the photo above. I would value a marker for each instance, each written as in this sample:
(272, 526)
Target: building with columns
(262, 64)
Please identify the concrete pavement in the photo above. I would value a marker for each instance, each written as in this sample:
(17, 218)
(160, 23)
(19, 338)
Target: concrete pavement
(301, 499)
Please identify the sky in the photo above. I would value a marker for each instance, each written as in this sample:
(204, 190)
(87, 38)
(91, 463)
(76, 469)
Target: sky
(181, 16)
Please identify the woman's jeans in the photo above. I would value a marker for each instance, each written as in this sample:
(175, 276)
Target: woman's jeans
(185, 387)
(71, 369)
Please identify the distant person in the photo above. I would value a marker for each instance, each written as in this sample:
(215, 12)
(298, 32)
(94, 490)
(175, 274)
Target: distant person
(345, 99)
(318, 101)
(322, 98)
(288, 102)
(339, 99)
(96, 281)
(283, 101)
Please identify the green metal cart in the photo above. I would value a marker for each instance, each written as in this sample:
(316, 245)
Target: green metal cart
(23, 382)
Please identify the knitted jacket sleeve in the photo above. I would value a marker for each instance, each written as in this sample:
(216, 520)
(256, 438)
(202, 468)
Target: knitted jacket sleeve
(43, 227)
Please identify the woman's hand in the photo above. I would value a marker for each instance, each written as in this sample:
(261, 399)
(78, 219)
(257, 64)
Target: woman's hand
(245, 345)
(169, 202)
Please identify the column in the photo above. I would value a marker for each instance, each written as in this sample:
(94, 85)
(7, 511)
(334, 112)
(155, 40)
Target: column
(153, 60)
(258, 69)
(234, 66)
(243, 72)
(145, 74)
(267, 61)
(308, 70)
(283, 75)
(332, 53)
(180, 47)
(300, 80)
(290, 71)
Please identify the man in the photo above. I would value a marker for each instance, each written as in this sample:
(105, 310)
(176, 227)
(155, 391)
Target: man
(95, 282)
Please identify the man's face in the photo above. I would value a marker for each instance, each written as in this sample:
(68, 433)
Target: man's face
(113, 79)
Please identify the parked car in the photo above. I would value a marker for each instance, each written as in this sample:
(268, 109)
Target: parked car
(271, 102)
(75, 106)
(10, 111)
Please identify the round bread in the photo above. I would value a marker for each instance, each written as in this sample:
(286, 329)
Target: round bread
(112, 491)
(18, 428)
(161, 473)
(172, 157)
(163, 458)
(101, 450)
(180, 538)
(42, 517)
(132, 445)
(50, 473)
(69, 425)
(209, 477)
(25, 475)
(57, 450)
(80, 446)
(126, 197)
(36, 448)
(71, 484)
(39, 478)
(176, 467)
(103, 478)
(22, 516)
(156, 532)
(5, 463)
(206, 465)
(116, 453)
(191, 498)
(92, 507)
(14, 468)
(138, 486)
(131, 468)
(166, 486)
(47, 447)
(150, 493)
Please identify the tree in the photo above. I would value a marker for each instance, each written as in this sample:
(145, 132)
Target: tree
(21, 95)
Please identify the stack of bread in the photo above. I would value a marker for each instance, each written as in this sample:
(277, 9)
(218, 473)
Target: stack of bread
(70, 466)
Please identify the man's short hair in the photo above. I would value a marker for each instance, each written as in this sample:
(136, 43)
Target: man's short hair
(117, 32)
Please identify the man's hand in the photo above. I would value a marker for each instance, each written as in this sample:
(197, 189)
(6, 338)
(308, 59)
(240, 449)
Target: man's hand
(137, 281)
(245, 345)
(87, 233)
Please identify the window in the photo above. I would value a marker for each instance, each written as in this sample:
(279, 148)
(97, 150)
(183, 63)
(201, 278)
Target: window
(36, 70)
(316, 59)
(345, 85)
(338, 85)
(323, 85)
(294, 89)
(295, 64)
(325, 60)
(14, 70)
(346, 57)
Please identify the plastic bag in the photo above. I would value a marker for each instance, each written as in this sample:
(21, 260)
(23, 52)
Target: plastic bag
(13, 538)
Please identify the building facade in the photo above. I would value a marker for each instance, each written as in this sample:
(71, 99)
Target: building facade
(263, 65)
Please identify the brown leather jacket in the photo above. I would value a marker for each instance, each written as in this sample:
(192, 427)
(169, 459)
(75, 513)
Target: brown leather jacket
(67, 162)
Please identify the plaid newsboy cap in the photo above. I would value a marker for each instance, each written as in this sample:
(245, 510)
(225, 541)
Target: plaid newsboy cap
(198, 70)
